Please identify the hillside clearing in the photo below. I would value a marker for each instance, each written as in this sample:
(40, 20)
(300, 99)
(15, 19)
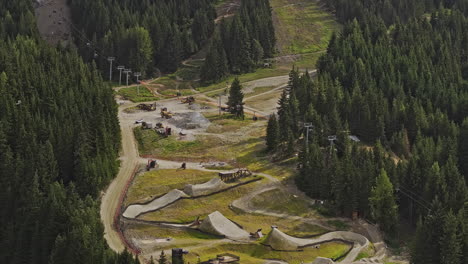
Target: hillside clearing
(302, 26)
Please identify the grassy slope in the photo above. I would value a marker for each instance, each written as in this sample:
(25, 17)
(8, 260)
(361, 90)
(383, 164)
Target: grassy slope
(246, 151)
(279, 201)
(258, 74)
(136, 94)
(208, 246)
(158, 182)
(255, 253)
(187, 210)
(302, 26)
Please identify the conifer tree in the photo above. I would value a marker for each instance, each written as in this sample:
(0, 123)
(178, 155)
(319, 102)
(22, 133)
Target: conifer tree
(450, 246)
(215, 67)
(463, 149)
(236, 99)
(272, 137)
(284, 118)
(257, 52)
(162, 258)
(382, 202)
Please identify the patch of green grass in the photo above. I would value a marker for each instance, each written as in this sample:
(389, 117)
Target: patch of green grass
(246, 151)
(158, 182)
(226, 122)
(339, 225)
(225, 167)
(362, 255)
(168, 81)
(265, 101)
(188, 73)
(167, 232)
(259, 90)
(302, 26)
(256, 253)
(171, 92)
(186, 210)
(151, 143)
(258, 74)
(256, 91)
(136, 94)
(308, 61)
(279, 201)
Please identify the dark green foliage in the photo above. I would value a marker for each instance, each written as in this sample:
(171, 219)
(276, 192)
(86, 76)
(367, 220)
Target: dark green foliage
(177, 29)
(402, 90)
(215, 67)
(439, 238)
(236, 99)
(390, 11)
(59, 142)
(382, 202)
(450, 244)
(246, 40)
(272, 136)
(162, 258)
(463, 149)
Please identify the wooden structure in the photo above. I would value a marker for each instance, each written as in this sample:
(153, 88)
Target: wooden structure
(188, 100)
(231, 176)
(147, 107)
(257, 235)
(147, 125)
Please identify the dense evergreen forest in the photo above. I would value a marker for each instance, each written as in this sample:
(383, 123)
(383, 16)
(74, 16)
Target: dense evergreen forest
(403, 91)
(241, 43)
(390, 11)
(142, 35)
(59, 141)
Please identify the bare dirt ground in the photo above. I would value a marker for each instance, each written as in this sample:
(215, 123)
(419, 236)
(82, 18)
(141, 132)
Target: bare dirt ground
(130, 159)
(53, 18)
(227, 9)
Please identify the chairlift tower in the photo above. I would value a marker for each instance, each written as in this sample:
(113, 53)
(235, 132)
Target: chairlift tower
(110, 59)
(127, 72)
(332, 140)
(137, 75)
(120, 68)
(308, 127)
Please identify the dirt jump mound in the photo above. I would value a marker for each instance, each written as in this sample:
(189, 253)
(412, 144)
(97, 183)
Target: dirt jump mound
(211, 186)
(190, 120)
(217, 224)
(281, 241)
(136, 209)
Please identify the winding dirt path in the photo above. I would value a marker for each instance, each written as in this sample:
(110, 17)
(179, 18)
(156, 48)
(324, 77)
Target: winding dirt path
(129, 159)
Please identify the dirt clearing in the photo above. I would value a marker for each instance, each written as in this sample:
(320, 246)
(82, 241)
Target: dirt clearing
(53, 18)
(301, 26)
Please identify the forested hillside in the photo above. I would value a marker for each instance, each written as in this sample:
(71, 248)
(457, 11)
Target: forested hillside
(403, 91)
(142, 35)
(390, 11)
(59, 141)
(242, 43)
